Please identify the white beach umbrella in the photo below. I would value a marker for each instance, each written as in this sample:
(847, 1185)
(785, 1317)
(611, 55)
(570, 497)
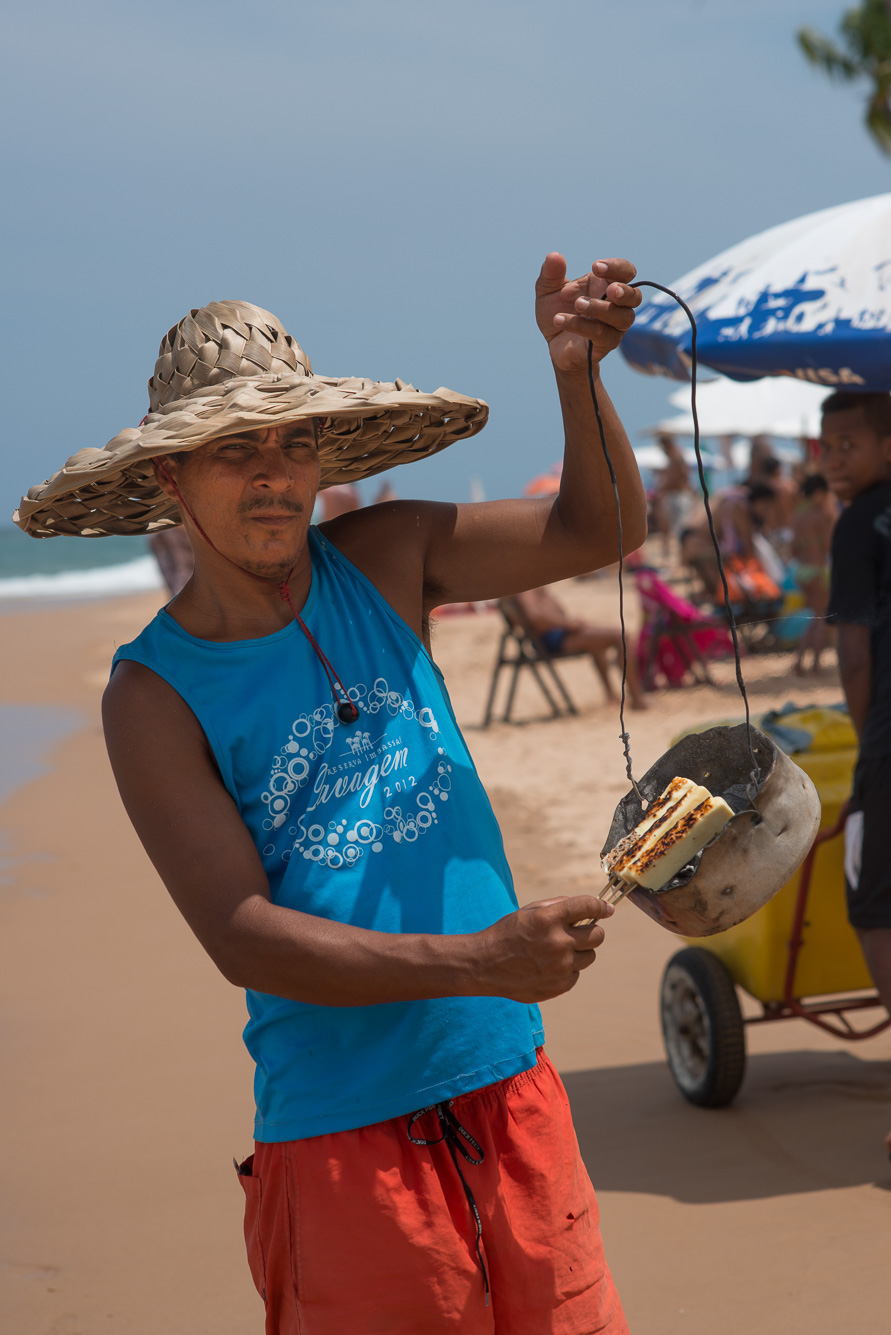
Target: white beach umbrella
(809, 299)
(769, 407)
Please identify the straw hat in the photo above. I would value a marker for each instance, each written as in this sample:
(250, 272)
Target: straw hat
(232, 367)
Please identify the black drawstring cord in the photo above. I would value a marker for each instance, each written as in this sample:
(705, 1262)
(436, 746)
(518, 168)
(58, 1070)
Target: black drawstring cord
(452, 1132)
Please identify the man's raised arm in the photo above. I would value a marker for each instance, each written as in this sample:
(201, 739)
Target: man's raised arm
(489, 550)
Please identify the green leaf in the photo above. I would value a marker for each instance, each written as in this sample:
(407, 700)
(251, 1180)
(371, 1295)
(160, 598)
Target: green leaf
(878, 120)
(825, 55)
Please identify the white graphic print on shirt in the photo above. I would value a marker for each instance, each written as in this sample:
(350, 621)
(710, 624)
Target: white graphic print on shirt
(347, 766)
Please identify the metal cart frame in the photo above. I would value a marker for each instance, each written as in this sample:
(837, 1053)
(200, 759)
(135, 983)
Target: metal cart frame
(818, 1011)
(702, 1022)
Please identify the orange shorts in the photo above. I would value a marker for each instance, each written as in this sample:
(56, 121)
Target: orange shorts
(366, 1231)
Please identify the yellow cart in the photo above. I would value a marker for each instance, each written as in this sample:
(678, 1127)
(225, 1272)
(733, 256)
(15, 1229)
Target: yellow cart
(797, 956)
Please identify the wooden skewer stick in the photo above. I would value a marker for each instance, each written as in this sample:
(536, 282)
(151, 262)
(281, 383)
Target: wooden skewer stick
(613, 892)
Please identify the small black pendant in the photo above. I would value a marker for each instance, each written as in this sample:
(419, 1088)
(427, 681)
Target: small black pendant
(347, 712)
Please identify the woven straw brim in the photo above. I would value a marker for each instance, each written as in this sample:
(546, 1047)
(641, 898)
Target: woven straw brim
(371, 426)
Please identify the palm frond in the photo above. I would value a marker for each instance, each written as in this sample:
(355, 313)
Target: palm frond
(878, 120)
(867, 32)
(825, 55)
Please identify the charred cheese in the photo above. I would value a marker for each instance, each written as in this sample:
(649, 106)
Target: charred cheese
(676, 826)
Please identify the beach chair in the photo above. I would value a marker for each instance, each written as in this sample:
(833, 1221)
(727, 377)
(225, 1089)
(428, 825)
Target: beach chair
(676, 639)
(757, 602)
(520, 647)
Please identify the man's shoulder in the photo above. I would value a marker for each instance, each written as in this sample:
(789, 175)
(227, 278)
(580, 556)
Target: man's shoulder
(855, 525)
(140, 669)
(867, 505)
(388, 542)
(398, 516)
(135, 685)
(140, 708)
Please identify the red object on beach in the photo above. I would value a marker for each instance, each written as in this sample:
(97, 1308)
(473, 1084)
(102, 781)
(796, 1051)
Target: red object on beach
(527, 1178)
(675, 638)
(546, 484)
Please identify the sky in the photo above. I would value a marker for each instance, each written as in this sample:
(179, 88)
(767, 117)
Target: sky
(387, 179)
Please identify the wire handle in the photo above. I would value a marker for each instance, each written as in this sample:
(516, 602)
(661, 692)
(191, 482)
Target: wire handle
(728, 607)
(624, 735)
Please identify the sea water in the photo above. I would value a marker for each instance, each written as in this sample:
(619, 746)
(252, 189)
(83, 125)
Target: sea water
(63, 568)
(28, 734)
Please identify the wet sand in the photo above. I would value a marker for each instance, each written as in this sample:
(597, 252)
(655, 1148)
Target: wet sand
(127, 1089)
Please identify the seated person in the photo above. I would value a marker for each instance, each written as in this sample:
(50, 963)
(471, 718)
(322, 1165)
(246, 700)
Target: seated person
(563, 634)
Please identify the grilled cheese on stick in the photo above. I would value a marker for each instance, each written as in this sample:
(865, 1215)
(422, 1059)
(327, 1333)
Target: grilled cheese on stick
(677, 825)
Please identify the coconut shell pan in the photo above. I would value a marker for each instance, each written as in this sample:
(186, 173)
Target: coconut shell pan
(760, 849)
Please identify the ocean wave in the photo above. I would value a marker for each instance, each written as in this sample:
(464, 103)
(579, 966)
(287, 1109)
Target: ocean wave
(140, 576)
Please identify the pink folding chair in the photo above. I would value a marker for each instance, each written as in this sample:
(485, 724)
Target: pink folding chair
(676, 641)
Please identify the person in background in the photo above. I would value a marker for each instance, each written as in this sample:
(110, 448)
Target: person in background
(762, 450)
(856, 451)
(739, 514)
(765, 541)
(811, 540)
(339, 500)
(674, 494)
(697, 549)
(173, 552)
(779, 517)
(563, 634)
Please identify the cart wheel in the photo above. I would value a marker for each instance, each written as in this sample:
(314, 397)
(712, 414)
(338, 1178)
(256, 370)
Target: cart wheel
(702, 1027)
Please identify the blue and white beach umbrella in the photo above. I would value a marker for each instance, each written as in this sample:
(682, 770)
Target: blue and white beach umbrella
(810, 298)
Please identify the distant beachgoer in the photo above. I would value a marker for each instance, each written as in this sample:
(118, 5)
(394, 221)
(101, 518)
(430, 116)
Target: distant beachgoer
(340, 500)
(811, 541)
(779, 516)
(739, 514)
(856, 449)
(386, 492)
(674, 495)
(733, 521)
(545, 484)
(563, 634)
(697, 548)
(173, 552)
(761, 451)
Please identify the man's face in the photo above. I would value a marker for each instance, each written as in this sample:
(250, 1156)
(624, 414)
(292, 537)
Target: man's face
(855, 456)
(253, 494)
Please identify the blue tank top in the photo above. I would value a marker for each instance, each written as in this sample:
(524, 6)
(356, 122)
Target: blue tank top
(382, 823)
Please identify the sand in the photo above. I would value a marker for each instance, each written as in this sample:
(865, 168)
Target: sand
(127, 1090)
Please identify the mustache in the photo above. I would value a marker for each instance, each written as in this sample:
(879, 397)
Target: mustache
(260, 506)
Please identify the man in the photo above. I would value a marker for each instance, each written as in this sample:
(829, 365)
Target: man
(856, 450)
(563, 634)
(284, 746)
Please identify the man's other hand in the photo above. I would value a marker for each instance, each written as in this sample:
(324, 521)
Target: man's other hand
(596, 308)
(539, 951)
